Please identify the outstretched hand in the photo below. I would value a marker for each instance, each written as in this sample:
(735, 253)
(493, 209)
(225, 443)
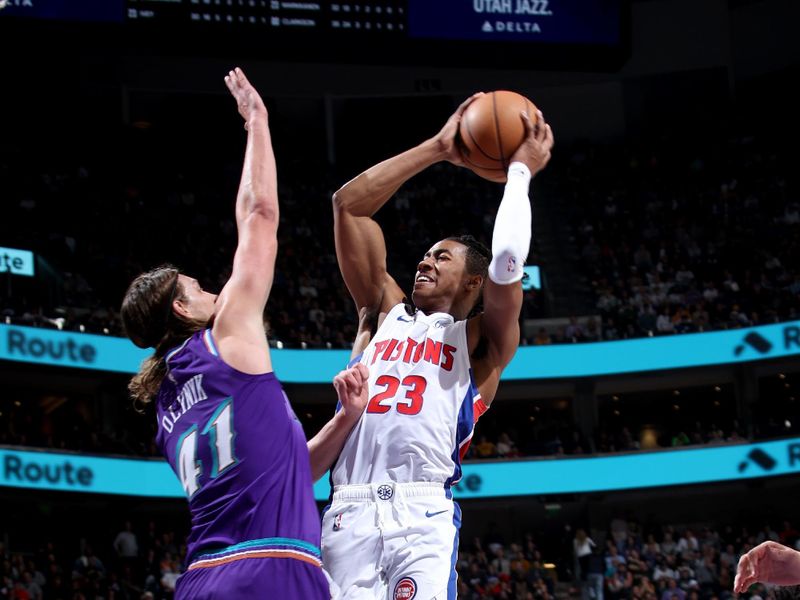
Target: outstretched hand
(535, 148)
(768, 562)
(247, 98)
(353, 390)
(447, 138)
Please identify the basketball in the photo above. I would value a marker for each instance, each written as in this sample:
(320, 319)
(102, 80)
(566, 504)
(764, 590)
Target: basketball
(491, 130)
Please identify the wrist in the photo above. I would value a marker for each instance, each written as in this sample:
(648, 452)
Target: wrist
(520, 170)
(345, 419)
(257, 117)
(437, 148)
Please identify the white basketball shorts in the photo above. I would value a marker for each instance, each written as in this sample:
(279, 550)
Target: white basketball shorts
(392, 541)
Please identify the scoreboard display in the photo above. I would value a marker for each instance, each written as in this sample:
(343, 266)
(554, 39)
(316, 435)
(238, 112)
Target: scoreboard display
(277, 17)
(444, 32)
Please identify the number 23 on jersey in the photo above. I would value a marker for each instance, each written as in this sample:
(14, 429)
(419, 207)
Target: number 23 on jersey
(405, 396)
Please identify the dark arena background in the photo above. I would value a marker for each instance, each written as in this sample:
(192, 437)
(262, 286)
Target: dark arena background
(654, 402)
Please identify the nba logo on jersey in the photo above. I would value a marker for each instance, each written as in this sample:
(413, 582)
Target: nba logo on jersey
(512, 264)
(337, 522)
(405, 589)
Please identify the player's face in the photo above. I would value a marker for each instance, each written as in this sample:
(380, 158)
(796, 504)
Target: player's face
(196, 302)
(440, 276)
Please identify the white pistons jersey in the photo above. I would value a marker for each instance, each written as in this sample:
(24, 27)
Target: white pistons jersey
(423, 404)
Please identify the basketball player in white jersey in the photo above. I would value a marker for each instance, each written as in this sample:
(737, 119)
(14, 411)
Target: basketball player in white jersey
(391, 531)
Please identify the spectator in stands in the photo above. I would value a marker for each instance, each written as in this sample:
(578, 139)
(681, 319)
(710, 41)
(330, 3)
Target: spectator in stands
(728, 557)
(663, 571)
(592, 332)
(636, 565)
(33, 589)
(643, 589)
(619, 582)
(593, 587)
(88, 565)
(542, 338)
(583, 547)
(506, 448)
(613, 557)
(685, 576)
(672, 591)
(664, 324)
(651, 549)
(687, 544)
(170, 572)
(125, 543)
(648, 320)
(500, 562)
(485, 448)
(574, 332)
(767, 533)
(705, 572)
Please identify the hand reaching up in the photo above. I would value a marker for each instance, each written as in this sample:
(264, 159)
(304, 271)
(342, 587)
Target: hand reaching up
(353, 390)
(247, 98)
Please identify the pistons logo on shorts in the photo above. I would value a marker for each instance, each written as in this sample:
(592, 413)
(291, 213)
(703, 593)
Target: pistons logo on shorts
(385, 492)
(405, 589)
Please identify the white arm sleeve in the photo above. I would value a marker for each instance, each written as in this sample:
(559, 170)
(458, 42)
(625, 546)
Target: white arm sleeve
(511, 238)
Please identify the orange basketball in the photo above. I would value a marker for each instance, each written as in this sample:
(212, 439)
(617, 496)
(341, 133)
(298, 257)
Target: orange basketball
(491, 130)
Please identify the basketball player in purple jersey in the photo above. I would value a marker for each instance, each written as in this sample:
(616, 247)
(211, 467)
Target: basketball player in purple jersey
(224, 422)
(391, 531)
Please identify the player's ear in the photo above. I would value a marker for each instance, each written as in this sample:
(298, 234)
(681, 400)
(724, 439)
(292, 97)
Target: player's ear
(474, 282)
(181, 308)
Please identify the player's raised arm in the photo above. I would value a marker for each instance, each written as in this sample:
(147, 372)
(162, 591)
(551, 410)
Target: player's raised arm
(238, 325)
(360, 245)
(498, 326)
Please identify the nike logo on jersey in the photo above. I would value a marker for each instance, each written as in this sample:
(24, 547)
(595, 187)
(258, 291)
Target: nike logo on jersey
(429, 514)
(403, 319)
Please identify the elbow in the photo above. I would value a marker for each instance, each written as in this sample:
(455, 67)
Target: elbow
(265, 208)
(349, 199)
(338, 202)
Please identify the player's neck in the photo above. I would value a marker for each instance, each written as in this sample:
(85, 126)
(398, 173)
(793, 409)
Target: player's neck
(454, 310)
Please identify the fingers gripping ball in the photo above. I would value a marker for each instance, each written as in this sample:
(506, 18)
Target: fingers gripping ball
(491, 129)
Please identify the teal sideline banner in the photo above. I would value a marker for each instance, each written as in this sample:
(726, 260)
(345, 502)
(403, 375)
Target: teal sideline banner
(69, 349)
(533, 281)
(707, 464)
(105, 353)
(78, 473)
(16, 262)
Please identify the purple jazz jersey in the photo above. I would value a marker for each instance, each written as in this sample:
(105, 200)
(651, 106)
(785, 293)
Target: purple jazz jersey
(239, 453)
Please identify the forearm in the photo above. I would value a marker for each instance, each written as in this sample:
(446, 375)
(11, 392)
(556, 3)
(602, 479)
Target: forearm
(369, 191)
(324, 448)
(502, 294)
(258, 187)
(511, 237)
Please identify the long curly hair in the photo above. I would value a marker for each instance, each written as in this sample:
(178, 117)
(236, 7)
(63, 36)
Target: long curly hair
(150, 322)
